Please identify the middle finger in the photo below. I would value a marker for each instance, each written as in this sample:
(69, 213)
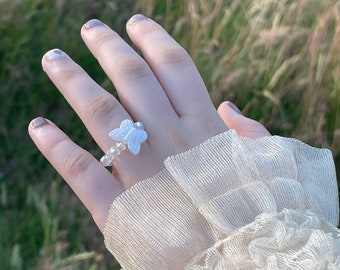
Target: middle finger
(139, 91)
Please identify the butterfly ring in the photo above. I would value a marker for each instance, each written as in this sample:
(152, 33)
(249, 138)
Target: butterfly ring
(129, 135)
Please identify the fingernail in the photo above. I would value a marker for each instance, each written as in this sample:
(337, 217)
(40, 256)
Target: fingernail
(234, 108)
(56, 54)
(38, 122)
(93, 23)
(136, 18)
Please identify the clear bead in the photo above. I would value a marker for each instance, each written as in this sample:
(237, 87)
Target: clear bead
(138, 125)
(106, 161)
(113, 152)
(120, 146)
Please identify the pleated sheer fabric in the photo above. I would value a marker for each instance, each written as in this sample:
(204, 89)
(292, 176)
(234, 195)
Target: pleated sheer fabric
(231, 203)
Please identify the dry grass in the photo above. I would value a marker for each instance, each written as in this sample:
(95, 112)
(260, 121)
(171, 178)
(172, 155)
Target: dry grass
(277, 60)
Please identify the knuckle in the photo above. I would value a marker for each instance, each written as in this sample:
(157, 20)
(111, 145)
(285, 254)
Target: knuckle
(177, 141)
(173, 55)
(250, 125)
(72, 73)
(106, 38)
(76, 162)
(102, 106)
(133, 67)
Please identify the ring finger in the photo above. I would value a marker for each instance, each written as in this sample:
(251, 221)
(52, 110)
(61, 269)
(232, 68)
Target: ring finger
(100, 112)
(139, 90)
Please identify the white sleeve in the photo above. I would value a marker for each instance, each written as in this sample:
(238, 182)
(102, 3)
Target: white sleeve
(231, 203)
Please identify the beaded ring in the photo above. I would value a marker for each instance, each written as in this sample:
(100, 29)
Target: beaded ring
(129, 135)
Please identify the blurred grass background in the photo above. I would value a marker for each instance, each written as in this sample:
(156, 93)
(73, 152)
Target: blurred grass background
(279, 61)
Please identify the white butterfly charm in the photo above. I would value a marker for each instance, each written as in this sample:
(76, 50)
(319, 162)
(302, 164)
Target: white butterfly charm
(131, 134)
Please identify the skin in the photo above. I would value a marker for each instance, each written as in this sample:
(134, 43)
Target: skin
(163, 90)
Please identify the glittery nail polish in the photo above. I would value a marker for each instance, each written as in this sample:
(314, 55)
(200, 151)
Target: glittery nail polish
(136, 18)
(38, 122)
(56, 54)
(234, 108)
(93, 23)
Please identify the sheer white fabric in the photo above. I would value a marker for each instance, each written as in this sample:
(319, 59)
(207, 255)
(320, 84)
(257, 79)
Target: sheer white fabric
(231, 203)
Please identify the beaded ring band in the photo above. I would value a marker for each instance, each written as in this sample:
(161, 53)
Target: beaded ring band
(129, 135)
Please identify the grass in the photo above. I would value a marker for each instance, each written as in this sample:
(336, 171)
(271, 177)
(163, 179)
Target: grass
(277, 60)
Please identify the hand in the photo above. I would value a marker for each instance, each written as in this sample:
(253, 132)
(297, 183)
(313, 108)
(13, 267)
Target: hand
(164, 91)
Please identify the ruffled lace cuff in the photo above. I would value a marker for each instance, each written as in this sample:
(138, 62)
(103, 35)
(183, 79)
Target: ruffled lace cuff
(231, 203)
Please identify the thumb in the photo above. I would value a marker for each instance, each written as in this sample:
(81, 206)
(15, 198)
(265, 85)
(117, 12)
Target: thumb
(244, 126)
